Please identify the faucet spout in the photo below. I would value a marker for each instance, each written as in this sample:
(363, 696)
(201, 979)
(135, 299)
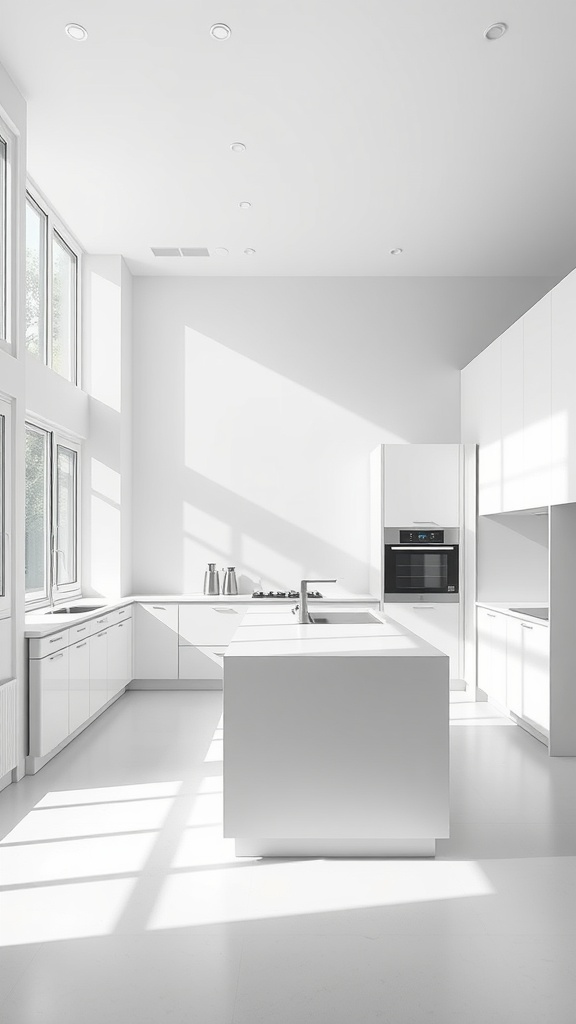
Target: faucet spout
(303, 614)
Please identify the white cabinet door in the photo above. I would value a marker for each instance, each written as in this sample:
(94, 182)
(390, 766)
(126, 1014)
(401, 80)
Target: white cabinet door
(98, 645)
(481, 423)
(201, 662)
(156, 641)
(79, 689)
(492, 654)
(537, 404)
(48, 702)
(512, 417)
(421, 485)
(116, 660)
(437, 624)
(563, 402)
(536, 675)
(514, 669)
(205, 625)
(128, 651)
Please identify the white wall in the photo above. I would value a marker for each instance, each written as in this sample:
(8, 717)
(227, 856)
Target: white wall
(512, 558)
(256, 403)
(107, 455)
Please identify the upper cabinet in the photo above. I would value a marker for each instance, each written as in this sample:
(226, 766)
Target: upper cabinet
(563, 400)
(482, 423)
(421, 484)
(519, 405)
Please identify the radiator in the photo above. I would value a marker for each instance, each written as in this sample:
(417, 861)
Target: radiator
(8, 757)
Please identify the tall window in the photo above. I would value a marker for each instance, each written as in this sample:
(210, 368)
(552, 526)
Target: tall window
(52, 265)
(3, 234)
(36, 248)
(52, 562)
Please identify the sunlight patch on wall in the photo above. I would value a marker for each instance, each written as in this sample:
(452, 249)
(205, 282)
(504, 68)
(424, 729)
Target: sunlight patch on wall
(105, 333)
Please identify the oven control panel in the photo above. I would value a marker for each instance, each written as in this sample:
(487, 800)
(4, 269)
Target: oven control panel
(421, 536)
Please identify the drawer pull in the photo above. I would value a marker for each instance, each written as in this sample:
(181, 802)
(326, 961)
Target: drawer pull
(78, 646)
(526, 626)
(101, 621)
(105, 633)
(225, 611)
(120, 625)
(82, 629)
(54, 657)
(491, 615)
(57, 638)
(423, 607)
(158, 608)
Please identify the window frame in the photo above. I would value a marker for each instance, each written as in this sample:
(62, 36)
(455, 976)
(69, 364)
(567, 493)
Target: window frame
(55, 226)
(57, 438)
(8, 239)
(6, 463)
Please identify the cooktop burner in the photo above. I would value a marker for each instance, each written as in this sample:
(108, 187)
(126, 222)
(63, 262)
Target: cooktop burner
(290, 595)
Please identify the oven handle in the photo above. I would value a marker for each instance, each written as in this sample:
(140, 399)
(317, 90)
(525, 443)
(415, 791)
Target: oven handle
(422, 547)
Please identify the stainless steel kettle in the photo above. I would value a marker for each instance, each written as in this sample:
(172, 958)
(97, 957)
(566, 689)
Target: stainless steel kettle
(230, 584)
(211, 579)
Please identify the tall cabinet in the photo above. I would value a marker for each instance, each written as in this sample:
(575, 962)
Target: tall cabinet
(425, 486)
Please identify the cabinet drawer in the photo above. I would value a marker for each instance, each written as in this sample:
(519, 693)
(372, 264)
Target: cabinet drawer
(83, 630)
(200, 662)
(208, 625)
(121, 613)
(39, 648)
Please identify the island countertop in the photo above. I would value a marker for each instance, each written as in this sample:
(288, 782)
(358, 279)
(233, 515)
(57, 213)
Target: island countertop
(269, 632)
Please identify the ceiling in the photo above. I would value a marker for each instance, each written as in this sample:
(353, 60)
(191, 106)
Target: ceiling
(368, 125)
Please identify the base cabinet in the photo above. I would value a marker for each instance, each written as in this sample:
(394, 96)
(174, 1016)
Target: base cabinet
(156, 641)
(514, 666)
(48, 702)
(98, 671)
(437, 624)
(492, 665)
(79, 685)
(119, 659)
(528, 672)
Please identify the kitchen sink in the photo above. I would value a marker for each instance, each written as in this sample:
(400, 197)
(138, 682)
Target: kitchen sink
(344, 618)
(76, 609)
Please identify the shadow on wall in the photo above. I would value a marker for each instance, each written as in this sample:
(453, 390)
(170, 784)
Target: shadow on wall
(269, 551)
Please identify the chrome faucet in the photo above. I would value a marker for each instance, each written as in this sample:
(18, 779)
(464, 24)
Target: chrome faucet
(302, 607)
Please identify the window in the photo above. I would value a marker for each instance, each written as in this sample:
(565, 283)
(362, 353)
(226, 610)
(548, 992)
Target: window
(52, 274)
(36, 235)
(52, 562)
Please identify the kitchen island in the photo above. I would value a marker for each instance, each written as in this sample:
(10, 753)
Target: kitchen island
(335, 738)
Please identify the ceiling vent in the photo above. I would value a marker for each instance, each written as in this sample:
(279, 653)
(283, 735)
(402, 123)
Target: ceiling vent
(199, 251)
(159, 250)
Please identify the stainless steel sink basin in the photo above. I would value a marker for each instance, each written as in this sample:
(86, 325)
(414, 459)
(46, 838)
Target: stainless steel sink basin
(76, 609)
(344, 618)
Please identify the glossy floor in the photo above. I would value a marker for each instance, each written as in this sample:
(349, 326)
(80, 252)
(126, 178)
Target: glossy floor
(120, 901)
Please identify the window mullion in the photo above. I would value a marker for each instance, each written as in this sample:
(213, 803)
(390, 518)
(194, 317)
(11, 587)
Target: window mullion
(49, 246)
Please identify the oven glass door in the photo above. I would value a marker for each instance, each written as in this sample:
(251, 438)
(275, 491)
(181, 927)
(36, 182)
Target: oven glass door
(418, 569)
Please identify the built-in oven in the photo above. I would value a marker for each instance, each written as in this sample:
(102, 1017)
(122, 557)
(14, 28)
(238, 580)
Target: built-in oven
(421, 565)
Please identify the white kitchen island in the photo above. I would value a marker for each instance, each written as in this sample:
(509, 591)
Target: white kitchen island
(335, 739)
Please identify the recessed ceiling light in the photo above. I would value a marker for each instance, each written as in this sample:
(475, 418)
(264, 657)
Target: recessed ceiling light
(249, 252)
(245, 205)
(396, 252)
(220, 31)
(496, 31)
(237, 147)
(76, 32)
(220, 251)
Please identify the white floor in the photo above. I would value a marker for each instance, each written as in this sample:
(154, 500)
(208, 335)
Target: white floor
(120, 902)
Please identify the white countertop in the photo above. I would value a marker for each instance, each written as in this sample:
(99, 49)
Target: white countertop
(505, 607)
(39, 623)
(274, 634)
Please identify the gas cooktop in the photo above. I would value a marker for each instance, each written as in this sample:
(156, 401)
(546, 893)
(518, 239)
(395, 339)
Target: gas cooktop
(290, 595)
